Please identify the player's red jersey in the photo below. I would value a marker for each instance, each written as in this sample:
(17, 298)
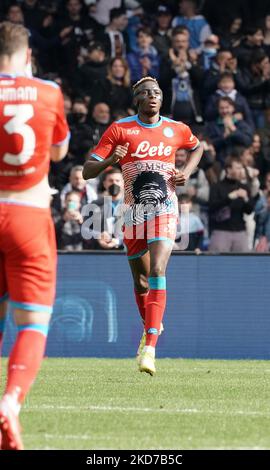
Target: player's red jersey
(31, 120)
(149, 164)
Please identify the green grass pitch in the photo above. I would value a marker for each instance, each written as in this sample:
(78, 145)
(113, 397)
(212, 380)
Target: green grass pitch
(107, 404)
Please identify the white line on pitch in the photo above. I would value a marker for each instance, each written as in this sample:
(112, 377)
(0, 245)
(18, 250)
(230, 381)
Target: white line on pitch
(143, 410)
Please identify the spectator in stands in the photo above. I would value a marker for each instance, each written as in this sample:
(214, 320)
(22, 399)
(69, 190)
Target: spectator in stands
(33, 14)
(267, 183)
(208, 163)
(250, 176)
(109, 208)
(99, 121)
(224, 61)
(68, 229)
(114, 37)
(76, 183)
(230, 34)
(228, 131)
(103, 8)
(162, 33)
(251, 180)
(81, 131)
(250, 44)
(114, 90)
(263, 227)
(67, 104)
(209, 51)
(197, 187)
(94, 69)
(226, 87)
(261, 157)
(15, 14)
(78, 113)
(195, 226)
(136, 20)
(198, 27)
(229, 201)
(180, 76)
(72, 24)
(255, 85)
(266, 34)
(144, 60)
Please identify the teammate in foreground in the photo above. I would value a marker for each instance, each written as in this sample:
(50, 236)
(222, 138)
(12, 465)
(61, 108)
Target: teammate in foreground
(33, 129)
(145, 146)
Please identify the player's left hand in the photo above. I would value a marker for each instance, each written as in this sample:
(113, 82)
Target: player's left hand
(179, 178)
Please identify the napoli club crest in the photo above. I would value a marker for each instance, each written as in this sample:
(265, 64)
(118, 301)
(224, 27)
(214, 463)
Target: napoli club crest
(168, 132)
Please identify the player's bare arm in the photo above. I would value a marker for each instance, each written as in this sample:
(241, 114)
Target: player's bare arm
(93, 168)
(58, 152)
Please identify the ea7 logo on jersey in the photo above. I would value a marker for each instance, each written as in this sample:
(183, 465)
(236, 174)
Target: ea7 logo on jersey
(145, 149)
(133, 131)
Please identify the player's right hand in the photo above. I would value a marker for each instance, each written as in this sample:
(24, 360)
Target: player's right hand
(119, 153)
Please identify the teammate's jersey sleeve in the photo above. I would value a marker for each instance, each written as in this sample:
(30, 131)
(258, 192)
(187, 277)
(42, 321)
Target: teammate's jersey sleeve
(107, 143)
(61, 132)
(190, 141)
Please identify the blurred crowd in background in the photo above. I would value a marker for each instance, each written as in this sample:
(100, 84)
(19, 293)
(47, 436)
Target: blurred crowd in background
(212, 62)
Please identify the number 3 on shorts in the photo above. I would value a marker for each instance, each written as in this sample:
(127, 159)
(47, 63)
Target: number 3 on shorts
(20, 113)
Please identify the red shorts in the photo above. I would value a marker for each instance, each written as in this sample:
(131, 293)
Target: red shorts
(138, 237)
(27, 257)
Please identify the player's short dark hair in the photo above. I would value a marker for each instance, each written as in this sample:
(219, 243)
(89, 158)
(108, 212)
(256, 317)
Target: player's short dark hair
(13, 37)
(142, 80)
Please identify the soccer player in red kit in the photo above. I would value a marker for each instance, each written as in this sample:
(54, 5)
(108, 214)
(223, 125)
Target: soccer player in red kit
(33, 130)
(145, 145)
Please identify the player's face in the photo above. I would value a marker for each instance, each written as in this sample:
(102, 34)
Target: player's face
(148, 98)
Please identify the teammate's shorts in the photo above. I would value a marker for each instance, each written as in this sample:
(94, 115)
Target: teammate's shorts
(27, 257)
(138, 237)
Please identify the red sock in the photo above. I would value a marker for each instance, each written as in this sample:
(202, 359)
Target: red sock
(141, 300)
(156, 303)
(24, 362)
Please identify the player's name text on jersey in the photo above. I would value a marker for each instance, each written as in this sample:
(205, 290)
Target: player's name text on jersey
(22, 93)
(145, 149)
